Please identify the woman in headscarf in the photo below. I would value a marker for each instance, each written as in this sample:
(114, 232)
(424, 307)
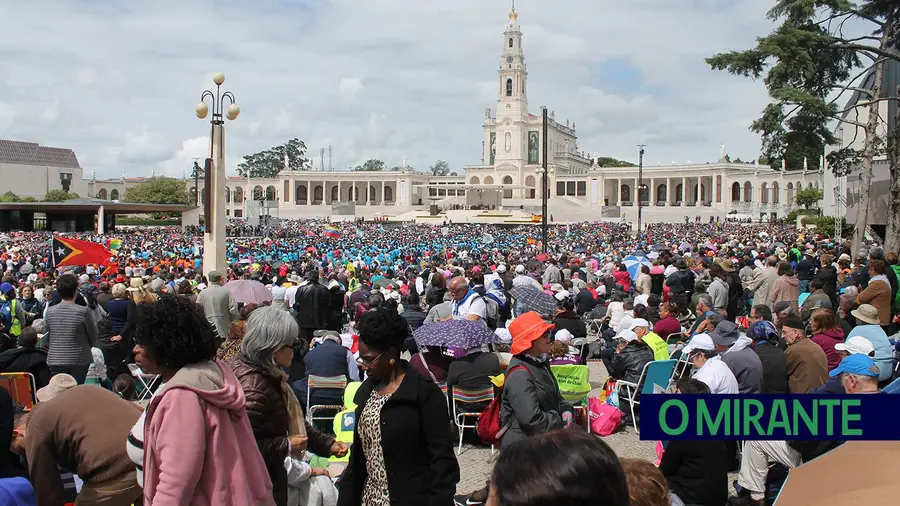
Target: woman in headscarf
(274, 411)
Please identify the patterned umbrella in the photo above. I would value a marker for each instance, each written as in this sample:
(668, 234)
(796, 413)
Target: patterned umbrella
(532, 299)
(633, 263)
(463, 334)
(249, 291)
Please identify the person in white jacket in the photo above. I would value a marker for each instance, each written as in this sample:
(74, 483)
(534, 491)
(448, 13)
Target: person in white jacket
(307, 485)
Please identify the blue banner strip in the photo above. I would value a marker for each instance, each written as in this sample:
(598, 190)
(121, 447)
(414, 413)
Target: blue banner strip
(770, 417)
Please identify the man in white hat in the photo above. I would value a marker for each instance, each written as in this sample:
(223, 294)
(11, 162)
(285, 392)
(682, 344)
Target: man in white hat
(856, 345)
(708, 366)
(523, 279)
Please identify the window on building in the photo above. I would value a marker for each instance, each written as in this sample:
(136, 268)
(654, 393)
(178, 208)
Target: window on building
(510, 42)
(560, 188)
(238, 213)
(114, 195)
(581, 188)
(509, 87)
(570, 188)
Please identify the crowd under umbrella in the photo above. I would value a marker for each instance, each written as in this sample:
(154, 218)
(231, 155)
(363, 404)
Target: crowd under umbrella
(463, 334)
(249, 291)
(634, 262)
(532, 299)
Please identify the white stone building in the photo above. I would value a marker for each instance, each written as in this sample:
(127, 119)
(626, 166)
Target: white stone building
(511, 154)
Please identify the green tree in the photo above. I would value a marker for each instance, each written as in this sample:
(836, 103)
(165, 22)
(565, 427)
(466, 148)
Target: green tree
(809, 64)
(440, 168)
(268, 163)
(606, 161)
(809, 197)
(159, 190)
(60, 196)
(10, 197)
(371, 165)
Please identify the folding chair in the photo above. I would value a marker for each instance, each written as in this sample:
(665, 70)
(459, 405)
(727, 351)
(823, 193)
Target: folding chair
(21, 387)
(463, 396)
(144, 382)
(323, 383)
(656, 376)
(443, 386)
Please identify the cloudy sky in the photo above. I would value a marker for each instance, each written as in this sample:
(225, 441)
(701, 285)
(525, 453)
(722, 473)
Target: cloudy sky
(118, 81)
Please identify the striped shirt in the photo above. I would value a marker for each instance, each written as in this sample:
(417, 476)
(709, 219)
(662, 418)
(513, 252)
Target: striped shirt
(134, 447)
(72, 332)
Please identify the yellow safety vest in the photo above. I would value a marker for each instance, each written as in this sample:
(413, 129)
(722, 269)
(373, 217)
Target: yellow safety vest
(659, 347)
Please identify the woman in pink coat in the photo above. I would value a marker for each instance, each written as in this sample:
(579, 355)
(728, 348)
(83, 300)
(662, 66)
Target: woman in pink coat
(198, 447)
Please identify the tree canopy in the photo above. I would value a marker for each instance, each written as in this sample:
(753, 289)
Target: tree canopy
(371, 165)
(268, 163)
(12, 197)
(606, 161)
(60, 196)
(440, 168)
(808, 64)
(159, 190)
(809, 197)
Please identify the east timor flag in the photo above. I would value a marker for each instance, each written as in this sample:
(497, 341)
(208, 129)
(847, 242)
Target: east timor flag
(66, 251)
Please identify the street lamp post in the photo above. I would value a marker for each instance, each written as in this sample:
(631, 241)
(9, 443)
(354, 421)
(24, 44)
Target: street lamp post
(641, 188)
(197, 170)
(214, 239)
(544, 174)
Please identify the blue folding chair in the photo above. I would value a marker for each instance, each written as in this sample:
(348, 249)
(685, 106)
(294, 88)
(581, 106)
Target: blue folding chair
(656, 377)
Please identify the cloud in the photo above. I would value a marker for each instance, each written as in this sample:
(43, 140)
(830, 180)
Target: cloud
(387, 79)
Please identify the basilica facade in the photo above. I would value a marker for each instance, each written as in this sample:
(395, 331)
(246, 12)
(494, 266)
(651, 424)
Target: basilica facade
(510, 169)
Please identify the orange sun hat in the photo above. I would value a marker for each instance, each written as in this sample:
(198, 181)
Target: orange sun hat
(526, 329)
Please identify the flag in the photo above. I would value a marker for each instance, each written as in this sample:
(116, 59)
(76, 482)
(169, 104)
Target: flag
(114, 244)
(536, 218)
(332, 233)
(112, 269)
(532, 242)
(65, 251)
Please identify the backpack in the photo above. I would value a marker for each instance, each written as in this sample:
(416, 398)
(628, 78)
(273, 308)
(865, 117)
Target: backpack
(491, 311)
(489, 429)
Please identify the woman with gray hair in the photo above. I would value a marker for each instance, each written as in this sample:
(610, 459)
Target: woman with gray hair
(275, 415)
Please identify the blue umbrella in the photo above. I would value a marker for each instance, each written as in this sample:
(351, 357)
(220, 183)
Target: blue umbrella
(633, 263)
(463, 334)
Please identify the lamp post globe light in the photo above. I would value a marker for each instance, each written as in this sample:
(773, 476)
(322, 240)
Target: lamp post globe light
(214, 172)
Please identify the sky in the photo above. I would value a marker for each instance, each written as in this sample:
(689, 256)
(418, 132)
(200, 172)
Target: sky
(118, 82)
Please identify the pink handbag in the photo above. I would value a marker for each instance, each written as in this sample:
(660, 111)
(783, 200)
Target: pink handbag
(604, 419)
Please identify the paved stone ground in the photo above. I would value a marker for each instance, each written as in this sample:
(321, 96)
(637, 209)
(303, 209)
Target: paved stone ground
(475, 462)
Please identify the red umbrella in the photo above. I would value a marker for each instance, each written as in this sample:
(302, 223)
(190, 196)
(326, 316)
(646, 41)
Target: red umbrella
(542, 257)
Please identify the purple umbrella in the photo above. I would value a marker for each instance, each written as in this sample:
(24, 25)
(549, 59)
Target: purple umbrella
(463, 334)
(249, 291)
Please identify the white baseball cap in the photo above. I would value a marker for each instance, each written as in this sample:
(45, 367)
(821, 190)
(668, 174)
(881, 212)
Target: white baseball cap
(501, 269)
(856, 345)
(627, 336)
(562, 295)
(699, 342)
(638, 322)
(520, 269)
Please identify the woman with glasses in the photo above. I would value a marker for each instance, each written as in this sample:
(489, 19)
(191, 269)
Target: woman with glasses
(278, 424)
(402, 449)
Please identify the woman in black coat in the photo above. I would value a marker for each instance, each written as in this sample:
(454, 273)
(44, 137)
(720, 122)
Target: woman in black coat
(566, 318)
(402, 427)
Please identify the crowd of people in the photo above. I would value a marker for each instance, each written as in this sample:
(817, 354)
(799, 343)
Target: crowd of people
(157, 382)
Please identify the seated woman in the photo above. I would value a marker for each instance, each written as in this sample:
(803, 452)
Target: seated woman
(668, 323)
(697, 471)
(431, 363)
(561, 352)
(567, 319)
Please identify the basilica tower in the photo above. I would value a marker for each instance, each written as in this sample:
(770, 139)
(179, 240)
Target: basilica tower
(512, 101)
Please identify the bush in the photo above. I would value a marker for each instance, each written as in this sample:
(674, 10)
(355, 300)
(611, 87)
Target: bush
(825, 225)
(149, 222)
